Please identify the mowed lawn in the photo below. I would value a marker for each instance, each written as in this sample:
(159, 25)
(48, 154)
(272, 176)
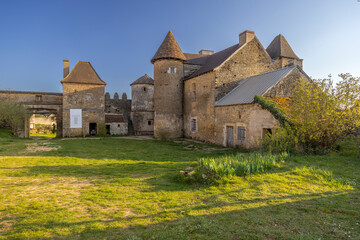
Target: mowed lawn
(117, 188)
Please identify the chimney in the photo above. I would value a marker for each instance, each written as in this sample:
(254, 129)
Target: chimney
(245, 37)
(66, 67)
(206, 52)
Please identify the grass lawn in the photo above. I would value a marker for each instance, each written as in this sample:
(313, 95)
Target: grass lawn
(116, 188)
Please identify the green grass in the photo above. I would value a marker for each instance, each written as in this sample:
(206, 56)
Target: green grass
(125, 189)
(241, 164)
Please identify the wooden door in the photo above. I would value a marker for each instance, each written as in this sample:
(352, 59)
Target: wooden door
(230, 136)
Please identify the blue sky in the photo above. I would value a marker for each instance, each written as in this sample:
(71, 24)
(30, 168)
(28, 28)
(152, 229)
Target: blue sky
(120, 37)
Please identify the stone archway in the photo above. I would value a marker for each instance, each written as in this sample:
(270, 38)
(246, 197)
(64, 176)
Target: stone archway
(57, 111)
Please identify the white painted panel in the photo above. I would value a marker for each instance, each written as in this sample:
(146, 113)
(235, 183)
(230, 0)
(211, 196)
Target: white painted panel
(75, 118)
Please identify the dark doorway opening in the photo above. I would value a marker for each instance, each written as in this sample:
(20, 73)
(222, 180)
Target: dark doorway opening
(92, 129)
(108, 129)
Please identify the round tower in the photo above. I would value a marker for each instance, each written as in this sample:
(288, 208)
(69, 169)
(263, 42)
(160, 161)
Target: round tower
(168, 89)
(142, 105)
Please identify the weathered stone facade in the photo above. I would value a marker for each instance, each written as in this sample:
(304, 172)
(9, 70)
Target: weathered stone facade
(186, 97)
(142, 108)
(168, 98)
(207, 79)
(90, 99)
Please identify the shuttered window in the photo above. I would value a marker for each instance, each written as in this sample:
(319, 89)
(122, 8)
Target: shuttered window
(241, 133)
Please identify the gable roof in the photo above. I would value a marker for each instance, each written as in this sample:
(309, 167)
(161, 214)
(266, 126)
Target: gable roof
(146, 79)
(210, 62)
(169, 49)
(83, 72)
(279, 47)
(255, 85)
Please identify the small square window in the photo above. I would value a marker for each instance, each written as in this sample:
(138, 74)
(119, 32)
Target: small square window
(144, 89)
(149, 122)
(172, 70)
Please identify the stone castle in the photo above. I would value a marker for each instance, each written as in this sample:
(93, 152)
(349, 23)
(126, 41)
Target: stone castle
(206, 96)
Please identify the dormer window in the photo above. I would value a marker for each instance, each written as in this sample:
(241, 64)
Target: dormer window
(172, 70)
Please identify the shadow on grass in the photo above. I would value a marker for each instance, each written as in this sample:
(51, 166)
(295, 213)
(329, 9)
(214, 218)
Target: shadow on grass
(305, 216)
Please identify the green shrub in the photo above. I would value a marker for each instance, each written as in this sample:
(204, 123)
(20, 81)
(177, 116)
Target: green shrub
(241, 164)
(209, 170)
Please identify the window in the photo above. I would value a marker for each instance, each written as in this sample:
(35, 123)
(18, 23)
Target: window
(193, 125)
(194, 91)
(38, 98)
(241, 133)
(172, 70)
(149, 122)
(144, 89)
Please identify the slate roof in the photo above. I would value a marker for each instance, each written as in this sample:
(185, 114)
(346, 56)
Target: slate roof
(169, 49)
(255, 85)
(279, 47)
(146, 79)
(210, 62)
(114, 118)
(83, 72)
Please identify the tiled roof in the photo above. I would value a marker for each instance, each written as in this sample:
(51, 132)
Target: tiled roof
(83, 72)
(144, 80)
(279, 47)
(114, 118)
(169, 49)
(255, 85)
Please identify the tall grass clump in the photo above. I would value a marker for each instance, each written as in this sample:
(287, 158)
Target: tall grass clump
(241, 165)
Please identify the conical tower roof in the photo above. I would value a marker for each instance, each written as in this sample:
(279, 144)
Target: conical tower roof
(169, 49)
(146, 79)
(279, 47)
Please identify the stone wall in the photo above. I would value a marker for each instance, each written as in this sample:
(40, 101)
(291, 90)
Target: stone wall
(252, 59)
(120, 128)
(251, 116)
(168, 99)
(37, 102)
(199, 104)
(142, 109)
(88, 97)
(118, 105)
(286, 85)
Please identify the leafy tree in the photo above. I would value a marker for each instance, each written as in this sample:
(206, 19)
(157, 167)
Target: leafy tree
(13, 116)
(323, 112)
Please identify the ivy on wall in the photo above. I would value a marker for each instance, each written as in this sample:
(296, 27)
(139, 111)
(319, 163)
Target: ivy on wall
(271, 107)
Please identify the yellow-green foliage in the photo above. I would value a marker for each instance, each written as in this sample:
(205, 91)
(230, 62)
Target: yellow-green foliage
(323, 112)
